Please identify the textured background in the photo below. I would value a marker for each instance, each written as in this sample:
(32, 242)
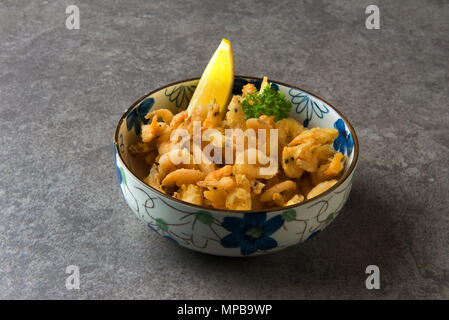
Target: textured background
(63, 91)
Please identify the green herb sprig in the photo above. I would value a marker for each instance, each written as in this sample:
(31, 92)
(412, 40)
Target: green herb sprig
(270, 102)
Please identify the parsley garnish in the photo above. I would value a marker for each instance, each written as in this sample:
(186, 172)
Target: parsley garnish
(270, 102)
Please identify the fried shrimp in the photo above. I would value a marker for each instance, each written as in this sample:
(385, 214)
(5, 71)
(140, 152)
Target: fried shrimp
(335, 166)
(320, 135)
(243, 182)
(165, 114)
(166, 164)
(178, 119)
(189, 193)
(263, 85)
(215, 198)
(183, 176)
(238, 171)
(213, 118)
(225, 183)
(277, 190)
(288, 129)
(219, 173)
(306, 155)
(297, 198)
(263, 124)
(268, 119)
(199, 113)
(321, 187)
(248, 88)
(153, 130)
(324, 152)
(238, 199)
(235, 117)
(154, 178)
(207, 167)
(257, 187)
(289, 157)
(328, 170)
(258, 123)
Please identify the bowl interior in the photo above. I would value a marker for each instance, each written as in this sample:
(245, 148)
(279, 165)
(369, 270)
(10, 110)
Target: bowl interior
(310, 110)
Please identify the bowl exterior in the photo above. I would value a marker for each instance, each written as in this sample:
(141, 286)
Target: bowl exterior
(224, 233)
(228, 233)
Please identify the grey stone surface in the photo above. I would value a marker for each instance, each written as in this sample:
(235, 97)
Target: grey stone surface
(63, 91)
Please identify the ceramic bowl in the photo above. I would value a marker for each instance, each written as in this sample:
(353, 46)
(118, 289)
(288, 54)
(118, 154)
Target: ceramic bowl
(224, 232)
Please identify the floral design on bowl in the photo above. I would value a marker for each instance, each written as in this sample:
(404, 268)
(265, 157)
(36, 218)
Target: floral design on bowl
(306, 103)
(180, 95)
(136, 118)
(344, 142)
(251, 233)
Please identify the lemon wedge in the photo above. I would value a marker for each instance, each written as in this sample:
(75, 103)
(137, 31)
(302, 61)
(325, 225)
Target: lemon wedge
(217, 79)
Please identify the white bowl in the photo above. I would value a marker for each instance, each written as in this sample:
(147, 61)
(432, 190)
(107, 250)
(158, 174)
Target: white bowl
(224, 232)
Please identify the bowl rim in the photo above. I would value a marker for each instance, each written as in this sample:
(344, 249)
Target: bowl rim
(205, 208)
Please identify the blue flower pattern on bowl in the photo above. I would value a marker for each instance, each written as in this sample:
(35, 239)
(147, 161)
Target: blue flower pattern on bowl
(181, 95)
(304, 102)
(251, 233)
(344, 142)
(136, 117)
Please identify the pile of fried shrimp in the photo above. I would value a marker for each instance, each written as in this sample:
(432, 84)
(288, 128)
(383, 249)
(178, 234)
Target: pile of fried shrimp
(307, 163)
